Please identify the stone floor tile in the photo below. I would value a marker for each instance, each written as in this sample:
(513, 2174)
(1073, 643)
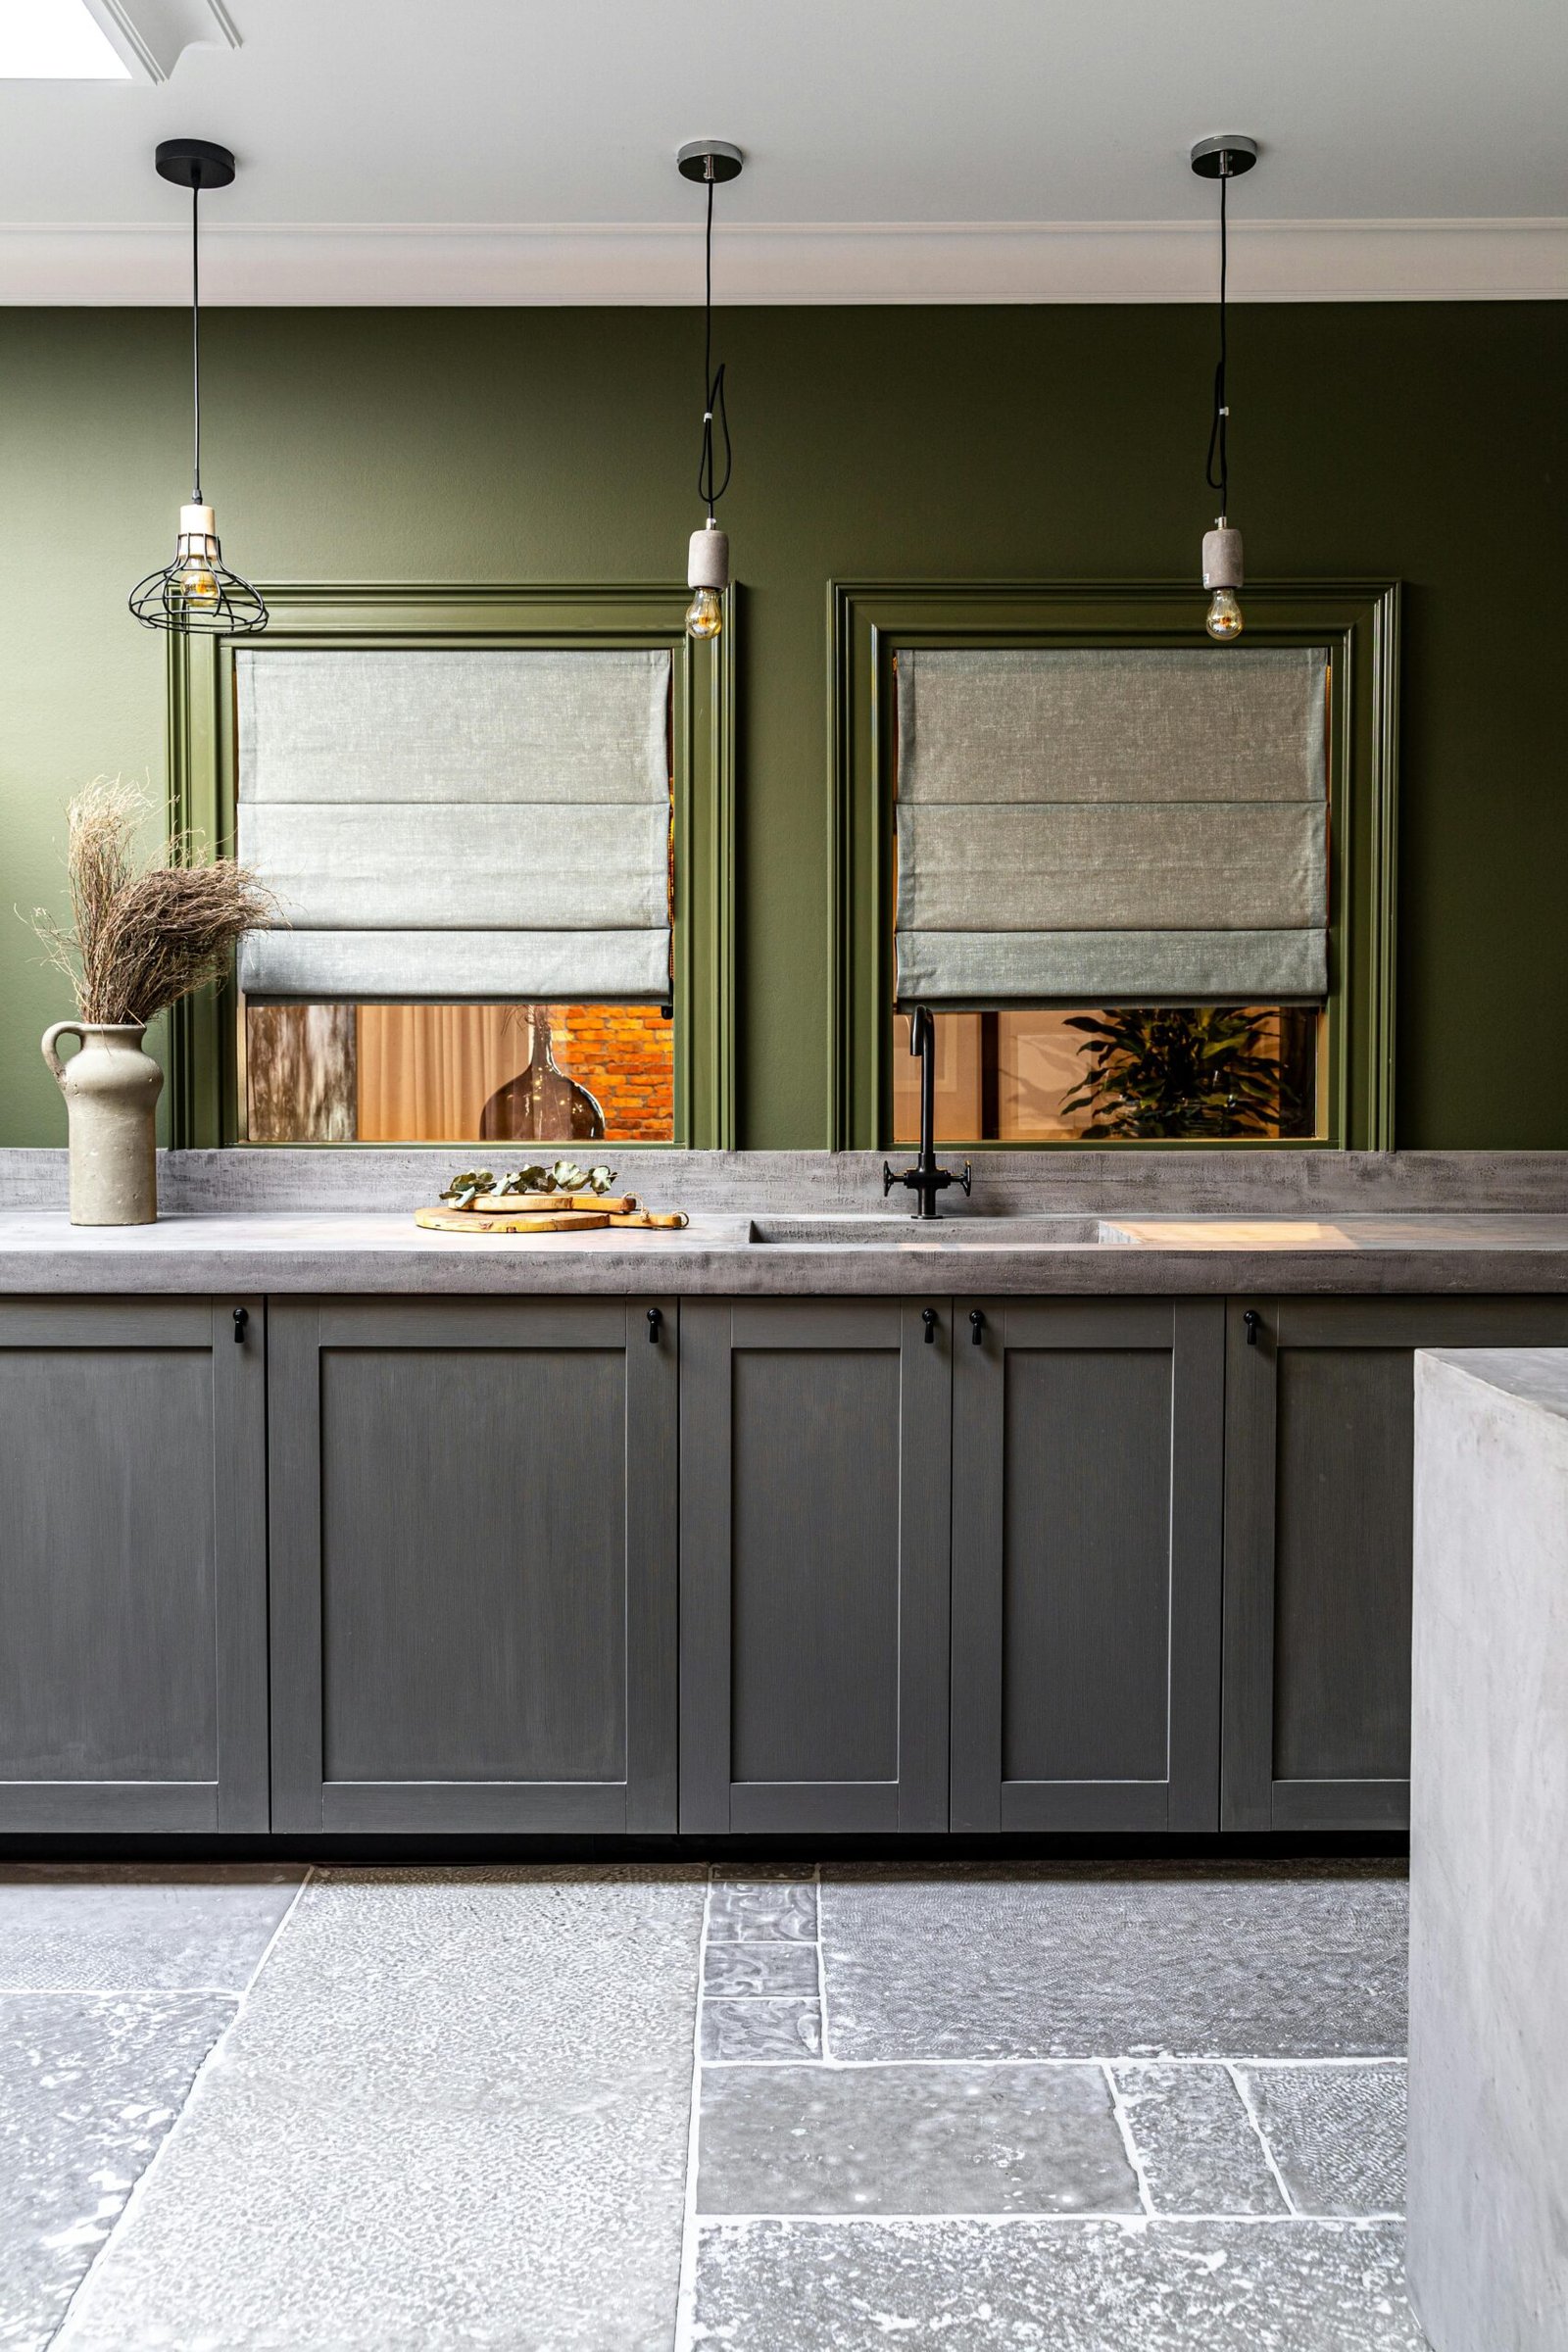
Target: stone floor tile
(1196, 2141)
(1336, 2133)
(89, 2085)
(454, 2112)
(138, 1927)
(762, 1911)
(938, 2139)
(736, 1970)
(753, 2029)
(1092, 1960)
(1055, 2287)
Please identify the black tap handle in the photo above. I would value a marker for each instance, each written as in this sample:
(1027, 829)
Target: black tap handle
(928, 1316)
(241, 1318)
(977, 1325)
(655, 1318)
(889, 1180)
(1254, 1324)
(964, 1178)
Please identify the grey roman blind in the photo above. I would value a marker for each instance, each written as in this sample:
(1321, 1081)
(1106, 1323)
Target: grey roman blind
(460, 824)
(1121, 826)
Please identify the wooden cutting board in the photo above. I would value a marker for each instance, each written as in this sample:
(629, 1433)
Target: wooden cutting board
(553, 1220)
(591, 1204)
(510, 1220)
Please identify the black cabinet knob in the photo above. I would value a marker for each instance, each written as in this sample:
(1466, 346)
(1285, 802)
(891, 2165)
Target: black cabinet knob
(977, 1325)
(241, 1318)
(1254, 1322)
(928, 1316)
(655, 1318)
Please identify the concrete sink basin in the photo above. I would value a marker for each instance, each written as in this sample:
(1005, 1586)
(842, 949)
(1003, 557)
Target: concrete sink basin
(873, 1230)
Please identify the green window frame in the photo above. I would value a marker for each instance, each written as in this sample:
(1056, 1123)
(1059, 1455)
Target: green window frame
(1358, 622)
(203, 749)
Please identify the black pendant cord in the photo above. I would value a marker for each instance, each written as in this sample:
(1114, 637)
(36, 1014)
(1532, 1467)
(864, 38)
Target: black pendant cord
(196, 337)
(1217, 473)
(709, 490)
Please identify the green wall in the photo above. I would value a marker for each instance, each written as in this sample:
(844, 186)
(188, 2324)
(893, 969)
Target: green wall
(1416, 440)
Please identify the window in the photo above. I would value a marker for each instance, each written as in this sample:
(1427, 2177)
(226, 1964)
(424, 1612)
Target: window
(1200, 1073)
(1147, 892)
(498, 823)
(458, 1073)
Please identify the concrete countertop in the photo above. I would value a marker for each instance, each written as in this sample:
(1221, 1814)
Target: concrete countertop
(1486, 2253)
(349, 1252)
(1536, 1378)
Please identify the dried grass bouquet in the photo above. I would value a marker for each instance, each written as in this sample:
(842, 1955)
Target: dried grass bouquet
(144, 935)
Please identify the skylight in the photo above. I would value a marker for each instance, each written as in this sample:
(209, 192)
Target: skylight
(56, 40)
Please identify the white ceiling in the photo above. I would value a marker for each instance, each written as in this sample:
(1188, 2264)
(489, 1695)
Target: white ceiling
(56, 37)
(897, 150)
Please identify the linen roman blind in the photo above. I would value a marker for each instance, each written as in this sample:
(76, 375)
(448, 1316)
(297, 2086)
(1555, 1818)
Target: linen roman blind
(462, 823)
(1117, 826)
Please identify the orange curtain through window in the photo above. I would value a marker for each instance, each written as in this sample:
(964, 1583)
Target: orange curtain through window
(426, 1071)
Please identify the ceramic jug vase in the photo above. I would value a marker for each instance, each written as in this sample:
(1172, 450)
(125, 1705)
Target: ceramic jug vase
(110, 1090)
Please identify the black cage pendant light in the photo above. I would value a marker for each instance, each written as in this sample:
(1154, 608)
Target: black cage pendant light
(1223, 158)
(195, 594)
(709, 162)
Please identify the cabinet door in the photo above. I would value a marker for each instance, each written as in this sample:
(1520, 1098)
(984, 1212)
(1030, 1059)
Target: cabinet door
(1087, 1487)
(815, 1503)
(133, 1566)
(1319, 1467)
(474, 1564)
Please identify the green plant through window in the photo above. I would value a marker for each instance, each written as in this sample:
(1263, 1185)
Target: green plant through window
(1180, 1072)
(1093, 1074)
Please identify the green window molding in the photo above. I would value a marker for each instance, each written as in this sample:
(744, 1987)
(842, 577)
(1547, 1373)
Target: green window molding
(201, 755)
(1358, 622)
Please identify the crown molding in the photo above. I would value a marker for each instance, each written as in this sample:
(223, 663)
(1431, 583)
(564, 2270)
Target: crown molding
(394, 263)
(153, 35)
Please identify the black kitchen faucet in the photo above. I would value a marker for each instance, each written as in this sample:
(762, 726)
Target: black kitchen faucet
(925, 1179)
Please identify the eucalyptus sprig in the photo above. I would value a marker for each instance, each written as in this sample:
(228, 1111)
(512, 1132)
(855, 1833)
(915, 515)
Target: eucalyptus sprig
(476, 1184)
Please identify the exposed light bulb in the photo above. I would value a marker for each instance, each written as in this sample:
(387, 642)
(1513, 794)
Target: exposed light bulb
(1224, 621)
(198, 586)
(705, 614)
(196, 559)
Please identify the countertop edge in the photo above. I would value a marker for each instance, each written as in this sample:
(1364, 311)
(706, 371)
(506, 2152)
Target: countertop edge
(794, 1272)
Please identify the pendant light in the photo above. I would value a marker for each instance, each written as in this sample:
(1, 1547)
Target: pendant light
(195, 593)
(1223, 158)
(709, 162)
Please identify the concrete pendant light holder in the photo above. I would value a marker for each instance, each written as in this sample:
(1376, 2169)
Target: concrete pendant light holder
(1222, 557)
(708, 558)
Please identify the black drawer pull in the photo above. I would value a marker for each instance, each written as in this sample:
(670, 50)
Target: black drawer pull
(655, 1318)
(241, 1318)
(928, 1316)
(977, 1325)
(1254, 1324)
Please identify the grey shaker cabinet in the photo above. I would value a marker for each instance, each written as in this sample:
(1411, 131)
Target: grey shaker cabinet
(1086, 1492)
(1318, 1516)
(815, 1439)
(133, 1566)
(473, 1609)
(1119, 1565)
